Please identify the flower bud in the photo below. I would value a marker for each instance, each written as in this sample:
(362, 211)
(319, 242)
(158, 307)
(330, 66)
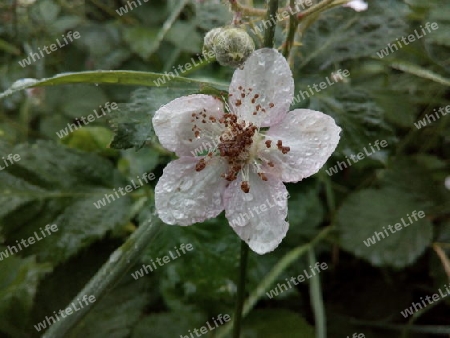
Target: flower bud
(231, 46)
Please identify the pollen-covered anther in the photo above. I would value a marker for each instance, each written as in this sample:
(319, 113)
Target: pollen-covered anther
(262, 176)
(200, 165)
(245, 187)
(268, 143)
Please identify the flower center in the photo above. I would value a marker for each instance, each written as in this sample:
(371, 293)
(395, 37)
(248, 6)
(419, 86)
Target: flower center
(238, 143)
(235, 146)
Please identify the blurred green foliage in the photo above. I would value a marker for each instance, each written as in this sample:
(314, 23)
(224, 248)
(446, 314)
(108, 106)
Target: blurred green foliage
(57, 180)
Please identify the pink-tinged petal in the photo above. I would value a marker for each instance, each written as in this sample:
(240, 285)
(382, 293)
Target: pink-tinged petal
(185, 196)
(174, 127)
(266, 75)
(258, 217)
(311, 136)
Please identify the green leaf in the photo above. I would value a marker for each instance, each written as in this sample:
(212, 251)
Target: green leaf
(406, 174)
(19, 279)
(209, 15)
(122, 77)
(369, 211)
(342, 34)
(201, 278)
(90, 139)
(276, 323)
(184, 36)
(116, 314)
(65, 183)
(361, 119)
(93, 98)
(133, 121)
(48, 10)
(161, 325)
(140, 40)
(437, 43)
(306, 212)
(420, 72)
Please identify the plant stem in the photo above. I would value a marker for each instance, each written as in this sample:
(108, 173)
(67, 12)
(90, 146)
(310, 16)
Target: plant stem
(111, 272)
(270, 278)
(240, 290)
(316, 299)
(236, 6)
(293, 24)
(316, 8)
(269, 33)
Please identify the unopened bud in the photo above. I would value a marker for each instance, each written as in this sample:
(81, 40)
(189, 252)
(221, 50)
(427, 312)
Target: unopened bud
(231, 45)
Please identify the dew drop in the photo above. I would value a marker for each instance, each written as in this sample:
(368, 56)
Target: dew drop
(248, 197)
(23, 82)
(115, 256)
(185, 184)
(178, 214)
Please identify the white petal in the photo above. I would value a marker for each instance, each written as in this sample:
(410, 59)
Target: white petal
(258, 217)
(173, 126)
(357, 5)
(185, 196)
(267, 73)
(311, 136)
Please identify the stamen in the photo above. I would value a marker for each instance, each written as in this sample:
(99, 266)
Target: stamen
(245, 187)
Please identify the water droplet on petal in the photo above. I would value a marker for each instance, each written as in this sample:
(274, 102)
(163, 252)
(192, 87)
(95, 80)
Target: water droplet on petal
(186, 183)
(178, 214)
(248, 197)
